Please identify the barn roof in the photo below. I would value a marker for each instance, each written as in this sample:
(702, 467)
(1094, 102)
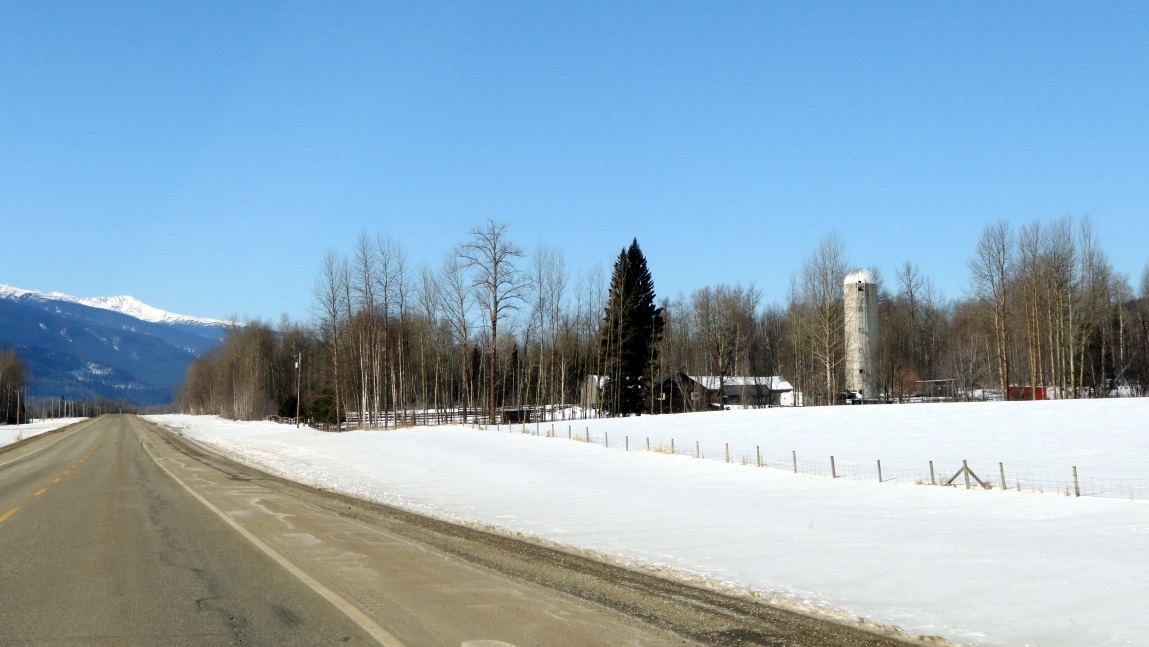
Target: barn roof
(772, 382)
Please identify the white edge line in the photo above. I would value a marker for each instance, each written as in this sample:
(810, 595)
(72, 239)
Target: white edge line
(350, 610)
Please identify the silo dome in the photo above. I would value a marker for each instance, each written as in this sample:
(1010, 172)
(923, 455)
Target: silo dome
(859, 276)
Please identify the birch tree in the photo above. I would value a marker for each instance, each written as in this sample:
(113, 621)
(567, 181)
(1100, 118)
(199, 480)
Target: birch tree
(822, 320)
(990, 269)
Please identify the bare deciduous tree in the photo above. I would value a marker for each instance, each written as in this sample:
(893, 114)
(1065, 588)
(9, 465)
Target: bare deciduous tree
(328, 310)
(456, 297)
(818, 297)
(724, 317)
(548, 285)
(490, 257)
(991, 269)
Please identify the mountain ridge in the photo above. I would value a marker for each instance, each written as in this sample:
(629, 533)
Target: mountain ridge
(105, 347)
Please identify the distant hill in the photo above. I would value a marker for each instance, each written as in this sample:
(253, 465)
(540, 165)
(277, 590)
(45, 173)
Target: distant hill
(112, 347)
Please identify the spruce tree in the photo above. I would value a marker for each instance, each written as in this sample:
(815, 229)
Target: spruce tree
(632, 327)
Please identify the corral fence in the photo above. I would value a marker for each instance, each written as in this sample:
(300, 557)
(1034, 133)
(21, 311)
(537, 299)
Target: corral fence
(354, 420)
(946, 473)
(418, 418)
(314, 424)
(446, 416)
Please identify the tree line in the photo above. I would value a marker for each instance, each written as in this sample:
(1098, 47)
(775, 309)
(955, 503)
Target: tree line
(491, 328)
(13, 383)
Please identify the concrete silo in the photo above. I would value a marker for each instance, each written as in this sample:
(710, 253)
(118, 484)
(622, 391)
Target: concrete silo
(861, 303)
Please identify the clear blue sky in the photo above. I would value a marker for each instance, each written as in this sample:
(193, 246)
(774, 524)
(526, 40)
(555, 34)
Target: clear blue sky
(204, 156)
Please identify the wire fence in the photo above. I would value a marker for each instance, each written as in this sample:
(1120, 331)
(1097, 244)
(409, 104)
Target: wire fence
(951, 473)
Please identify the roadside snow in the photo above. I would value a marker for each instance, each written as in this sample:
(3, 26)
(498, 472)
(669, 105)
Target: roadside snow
(980, 567)
(13, 433)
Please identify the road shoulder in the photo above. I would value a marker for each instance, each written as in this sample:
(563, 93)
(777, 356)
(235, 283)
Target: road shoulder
(690, 612)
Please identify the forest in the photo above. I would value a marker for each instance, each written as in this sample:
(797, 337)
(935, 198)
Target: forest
(492, 328)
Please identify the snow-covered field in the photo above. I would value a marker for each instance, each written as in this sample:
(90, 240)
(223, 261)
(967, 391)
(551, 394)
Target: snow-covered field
(13, 433)
(979, 567)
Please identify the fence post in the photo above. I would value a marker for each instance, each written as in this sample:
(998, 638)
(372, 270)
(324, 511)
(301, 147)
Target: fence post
(758, 451)
(672, 446)
(965, 470)
(727, 452)
(933, 481)
(879, 470)
(794, 455)
(1076, 486)
(833, 469)
(648, 443)
(606, 438)
(588, 434)
(628, 443)
(1001, 467)
(568, 432)
(697, 450)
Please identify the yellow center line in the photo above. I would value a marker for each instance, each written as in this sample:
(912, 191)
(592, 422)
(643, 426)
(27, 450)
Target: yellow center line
(40, 491)
(4, 517)
(57, 479)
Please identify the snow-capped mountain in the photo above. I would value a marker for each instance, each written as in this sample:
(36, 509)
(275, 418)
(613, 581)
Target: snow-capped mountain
(127, 305)
(133, 307)
(112, 347)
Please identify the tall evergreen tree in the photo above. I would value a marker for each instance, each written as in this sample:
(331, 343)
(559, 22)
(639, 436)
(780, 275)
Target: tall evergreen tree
(632, 328)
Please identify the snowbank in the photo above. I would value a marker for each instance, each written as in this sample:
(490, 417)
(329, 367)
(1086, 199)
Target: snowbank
(983, 567)
(13, 433)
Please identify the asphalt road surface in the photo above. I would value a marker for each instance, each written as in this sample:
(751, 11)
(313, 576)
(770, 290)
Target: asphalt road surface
(113, 532)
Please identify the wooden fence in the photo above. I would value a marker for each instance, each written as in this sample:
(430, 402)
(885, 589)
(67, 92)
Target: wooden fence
(952, 473)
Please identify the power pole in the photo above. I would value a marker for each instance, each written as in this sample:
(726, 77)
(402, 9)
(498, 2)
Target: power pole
(298, 362)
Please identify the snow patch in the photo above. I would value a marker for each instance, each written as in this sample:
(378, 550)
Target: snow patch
(97, 369)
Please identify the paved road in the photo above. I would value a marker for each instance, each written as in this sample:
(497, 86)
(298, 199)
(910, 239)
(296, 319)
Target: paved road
(99, 547)
(113, 532)
(102, 542)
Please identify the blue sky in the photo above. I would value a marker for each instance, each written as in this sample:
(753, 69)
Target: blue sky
(204, 156)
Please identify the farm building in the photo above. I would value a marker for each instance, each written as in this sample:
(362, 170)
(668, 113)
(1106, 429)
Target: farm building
(754, 391)
(679, 392)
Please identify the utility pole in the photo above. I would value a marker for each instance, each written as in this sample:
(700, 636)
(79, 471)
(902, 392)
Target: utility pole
(298, 362)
